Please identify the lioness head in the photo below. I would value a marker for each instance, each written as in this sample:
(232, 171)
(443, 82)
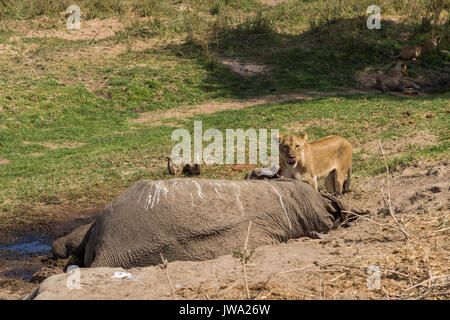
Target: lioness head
(292, 149)
(397, 69)
(436, 41)
(417, 51)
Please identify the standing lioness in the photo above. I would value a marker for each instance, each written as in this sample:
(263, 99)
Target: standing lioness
(329, 157)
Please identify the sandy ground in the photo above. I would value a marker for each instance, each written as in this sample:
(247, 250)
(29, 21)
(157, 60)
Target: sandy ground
(331, 268)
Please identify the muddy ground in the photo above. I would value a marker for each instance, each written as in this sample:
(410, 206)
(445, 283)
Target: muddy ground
(331, 268)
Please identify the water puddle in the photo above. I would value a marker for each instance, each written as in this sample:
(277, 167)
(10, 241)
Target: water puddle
(26, 246)
(21, 257)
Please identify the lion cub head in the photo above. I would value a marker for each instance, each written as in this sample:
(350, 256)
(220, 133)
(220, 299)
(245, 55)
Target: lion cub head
(292, 149)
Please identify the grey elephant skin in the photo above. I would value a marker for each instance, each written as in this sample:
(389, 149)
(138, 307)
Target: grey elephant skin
(198, 219)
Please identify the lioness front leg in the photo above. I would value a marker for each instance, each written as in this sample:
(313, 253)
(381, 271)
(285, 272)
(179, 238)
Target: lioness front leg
(340, 180)
(329, 183)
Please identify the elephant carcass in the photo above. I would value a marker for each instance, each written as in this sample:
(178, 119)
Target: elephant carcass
(198, 219)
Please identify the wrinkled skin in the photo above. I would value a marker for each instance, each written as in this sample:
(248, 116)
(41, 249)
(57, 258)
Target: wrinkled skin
(199, 219)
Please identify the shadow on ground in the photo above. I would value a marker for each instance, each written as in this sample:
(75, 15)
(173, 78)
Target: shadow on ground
(327, 57)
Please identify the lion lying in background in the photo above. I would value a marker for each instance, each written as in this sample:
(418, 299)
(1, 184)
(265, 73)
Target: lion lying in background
(392, 80)
(413, 52)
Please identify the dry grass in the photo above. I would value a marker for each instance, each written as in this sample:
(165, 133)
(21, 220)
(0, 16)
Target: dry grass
(417, 268)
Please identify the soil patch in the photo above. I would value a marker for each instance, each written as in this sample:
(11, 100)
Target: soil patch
(54, 146)
(154, 118)
(95, 29)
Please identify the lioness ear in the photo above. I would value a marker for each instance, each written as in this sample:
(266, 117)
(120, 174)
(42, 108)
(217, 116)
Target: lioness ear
(303, 136)
(280, 138)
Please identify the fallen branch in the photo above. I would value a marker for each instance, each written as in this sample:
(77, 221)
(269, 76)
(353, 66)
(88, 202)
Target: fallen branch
(363, 269)
(339, 276)
(360, 216)
(301, 268)
(424, 282)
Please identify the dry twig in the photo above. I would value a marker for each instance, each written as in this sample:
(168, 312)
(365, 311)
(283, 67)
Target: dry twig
(244, 260)
(391, 213)
(165, 264)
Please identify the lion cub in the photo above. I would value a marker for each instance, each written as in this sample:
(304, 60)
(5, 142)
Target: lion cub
(329, 158)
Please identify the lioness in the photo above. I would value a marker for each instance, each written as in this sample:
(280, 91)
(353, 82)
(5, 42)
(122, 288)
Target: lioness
(431, 45)
(397, 69)
(392, 80)
(410, 53)
(329, 158)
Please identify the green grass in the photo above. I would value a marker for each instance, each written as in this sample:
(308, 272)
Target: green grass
(116, 154)
(66, 107)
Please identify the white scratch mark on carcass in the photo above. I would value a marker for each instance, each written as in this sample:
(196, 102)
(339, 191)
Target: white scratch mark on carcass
(199, 190)
(282, 205)
(149, 197)
(158, 188)
(238, 200)
(192, 199)
(217, 191)
(153, 191)
(142, 192)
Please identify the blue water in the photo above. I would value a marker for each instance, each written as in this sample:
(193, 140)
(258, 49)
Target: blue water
(29, 246)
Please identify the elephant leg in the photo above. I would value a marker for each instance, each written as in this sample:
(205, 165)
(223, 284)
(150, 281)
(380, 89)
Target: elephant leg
(73, 243)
